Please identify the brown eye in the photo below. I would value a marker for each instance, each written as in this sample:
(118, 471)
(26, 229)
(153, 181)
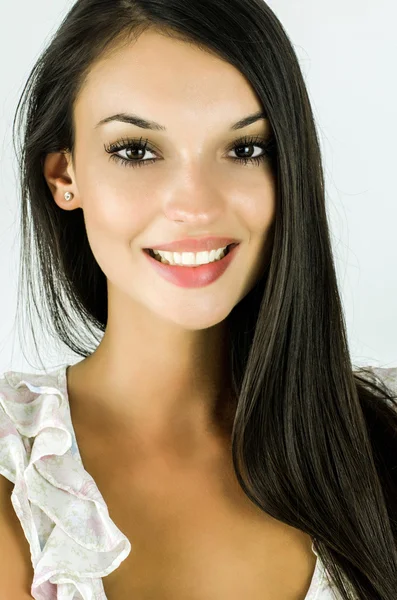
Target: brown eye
(135, 151)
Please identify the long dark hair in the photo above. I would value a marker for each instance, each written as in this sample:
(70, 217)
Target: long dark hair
(314, 444)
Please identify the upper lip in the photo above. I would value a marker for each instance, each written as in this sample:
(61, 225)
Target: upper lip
(196, 245)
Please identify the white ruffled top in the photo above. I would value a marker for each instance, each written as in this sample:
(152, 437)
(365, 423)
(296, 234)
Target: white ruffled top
(73, 540)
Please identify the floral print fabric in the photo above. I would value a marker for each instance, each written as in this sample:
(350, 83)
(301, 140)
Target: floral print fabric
(73, 541)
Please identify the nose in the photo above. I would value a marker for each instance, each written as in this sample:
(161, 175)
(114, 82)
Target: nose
(195, 201)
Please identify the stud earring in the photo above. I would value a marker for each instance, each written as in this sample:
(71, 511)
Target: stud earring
(68, 196)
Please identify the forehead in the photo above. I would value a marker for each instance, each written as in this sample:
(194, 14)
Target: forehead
(166, 78)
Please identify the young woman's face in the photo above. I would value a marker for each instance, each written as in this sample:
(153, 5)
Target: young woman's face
(194, 188)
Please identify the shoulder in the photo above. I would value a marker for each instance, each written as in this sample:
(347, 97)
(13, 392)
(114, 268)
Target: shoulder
(387, 376)
(10, 436)
(385, 392)
(29, 404)
(382, 375)
(31, 409)
(16, 569)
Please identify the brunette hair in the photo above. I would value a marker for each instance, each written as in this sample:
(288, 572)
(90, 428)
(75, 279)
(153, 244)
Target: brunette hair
(314, 444)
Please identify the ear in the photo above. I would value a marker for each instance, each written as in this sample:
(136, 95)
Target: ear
(59, 174)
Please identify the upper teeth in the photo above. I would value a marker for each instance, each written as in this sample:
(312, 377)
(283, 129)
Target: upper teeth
(191, 258)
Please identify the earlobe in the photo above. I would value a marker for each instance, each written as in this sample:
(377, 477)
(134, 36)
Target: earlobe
(58, 173)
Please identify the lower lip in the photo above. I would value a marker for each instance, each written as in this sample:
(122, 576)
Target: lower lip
(193, 277)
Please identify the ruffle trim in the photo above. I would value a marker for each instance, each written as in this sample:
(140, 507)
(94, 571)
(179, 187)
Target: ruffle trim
(73, 541)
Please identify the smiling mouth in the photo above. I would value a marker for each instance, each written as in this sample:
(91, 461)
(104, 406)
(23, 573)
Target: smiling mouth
(164, 261)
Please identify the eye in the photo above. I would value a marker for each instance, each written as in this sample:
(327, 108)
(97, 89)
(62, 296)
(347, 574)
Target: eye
(135, 150)
(251, 156)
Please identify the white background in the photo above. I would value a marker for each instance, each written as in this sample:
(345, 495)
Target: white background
(348, 52)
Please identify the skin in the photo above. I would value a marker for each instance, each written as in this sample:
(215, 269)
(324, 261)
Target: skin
(147, 405)
(160, 369)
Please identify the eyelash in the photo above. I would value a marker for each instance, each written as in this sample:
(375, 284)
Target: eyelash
(128, 144)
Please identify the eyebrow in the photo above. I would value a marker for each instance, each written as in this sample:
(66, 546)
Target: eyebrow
(146, 124)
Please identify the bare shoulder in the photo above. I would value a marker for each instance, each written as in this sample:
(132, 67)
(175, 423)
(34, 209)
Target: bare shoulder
(16, 570)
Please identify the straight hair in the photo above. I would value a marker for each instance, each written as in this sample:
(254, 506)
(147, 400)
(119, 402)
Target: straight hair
(313, 443)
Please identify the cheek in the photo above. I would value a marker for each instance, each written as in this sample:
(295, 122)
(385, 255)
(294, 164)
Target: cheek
(109, 199)
(257, 208)
(115, 210)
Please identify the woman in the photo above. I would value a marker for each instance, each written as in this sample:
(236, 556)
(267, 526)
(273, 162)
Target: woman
(229, 449)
